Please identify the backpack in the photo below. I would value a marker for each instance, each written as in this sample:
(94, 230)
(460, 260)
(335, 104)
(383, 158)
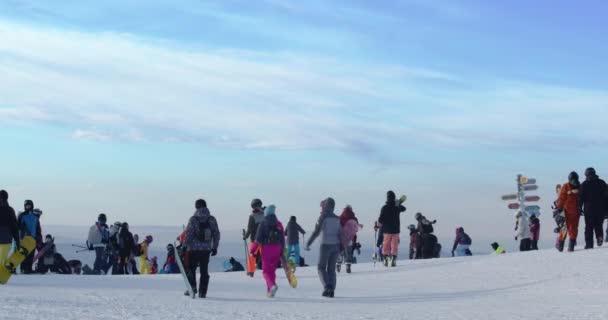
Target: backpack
(274, 235)
(204, 231)
(137, 251)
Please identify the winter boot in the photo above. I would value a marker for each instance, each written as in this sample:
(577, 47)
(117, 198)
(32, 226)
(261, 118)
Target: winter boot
(250, 274)
(325, 293)
(386, 260)
(600, 241)
(348, 268)
(273, 291)
(559, 245)
(187, 293)
(331, 293)
(338, 267)
(393, 261)
(571, 245)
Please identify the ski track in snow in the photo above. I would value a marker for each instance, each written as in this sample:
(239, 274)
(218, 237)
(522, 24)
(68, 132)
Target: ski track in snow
(533, 285)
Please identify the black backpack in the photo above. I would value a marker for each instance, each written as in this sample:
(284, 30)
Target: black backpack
(274, 235)
(204, 231)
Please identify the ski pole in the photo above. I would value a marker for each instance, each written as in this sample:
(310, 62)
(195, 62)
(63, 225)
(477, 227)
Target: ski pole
(246, 253)
(79, 246)
(82, 250)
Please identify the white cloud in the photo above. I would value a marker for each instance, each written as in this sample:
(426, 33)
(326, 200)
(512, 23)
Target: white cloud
(91, 135)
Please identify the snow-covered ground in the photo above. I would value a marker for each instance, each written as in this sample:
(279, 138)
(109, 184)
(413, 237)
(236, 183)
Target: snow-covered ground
(533, 285)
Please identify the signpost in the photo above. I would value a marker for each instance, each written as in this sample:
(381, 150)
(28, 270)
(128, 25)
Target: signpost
(524, 184)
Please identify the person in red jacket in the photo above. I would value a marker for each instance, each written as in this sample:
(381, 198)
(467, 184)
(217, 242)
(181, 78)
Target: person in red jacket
(569, 202)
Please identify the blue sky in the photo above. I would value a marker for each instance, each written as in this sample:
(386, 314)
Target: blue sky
(138, 108)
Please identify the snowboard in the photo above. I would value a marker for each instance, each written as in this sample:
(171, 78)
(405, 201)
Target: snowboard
(182, 270)
(44, 249)
(27, 245)
(560, 220)
(291, 276)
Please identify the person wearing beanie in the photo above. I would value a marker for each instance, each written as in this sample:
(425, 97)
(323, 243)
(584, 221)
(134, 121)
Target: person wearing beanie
(126, 248)
(593, 194)
(9, 229)
(328, 227)
(568, 201)
(348, 237)
(391, 226)
(29, 225)
(99, 238)
(270, 236)
(201, 242)
(292, 232)
(255, 219)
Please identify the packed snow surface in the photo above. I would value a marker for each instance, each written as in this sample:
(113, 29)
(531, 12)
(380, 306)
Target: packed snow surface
(532, 285)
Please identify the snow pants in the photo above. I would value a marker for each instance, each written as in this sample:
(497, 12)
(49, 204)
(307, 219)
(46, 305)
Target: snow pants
(593, 224)
(572, 221)
(144, 265)
(524, 244)
(4, 250)
(294, 249)
(252, 260)
(328, 256)
(199, 259)
(271, 255)
(101, 259)
(461, 250)
(390, 246)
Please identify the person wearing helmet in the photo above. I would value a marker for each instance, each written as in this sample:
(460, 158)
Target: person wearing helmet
(414, 238)
(29, 225)
(144, 261)
(9, 229)
(593, 199)
(568, 201)
(99, 238)
(391, 226)
(255, 219)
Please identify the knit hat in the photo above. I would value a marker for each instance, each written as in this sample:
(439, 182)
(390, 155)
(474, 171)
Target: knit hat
(390, 196)
(149, 239)
(28, 202)
(3, 195)
(102, 218)
(328, 205)
(270, 210)
(200, 203)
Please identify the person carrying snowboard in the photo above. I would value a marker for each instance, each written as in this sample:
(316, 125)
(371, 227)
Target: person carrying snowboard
(414, 239)
(9, 229)
(126, 248)
(99, 237)
(29, 225)
(593, 199)
(270, 235)
(292, 232)
(391, 226)
(348, 236)
(522, 229)
(568, 201)
(462, 242)
(145, 266)
(201, 242)
(255, 218)
(534, 232)
(328, 227)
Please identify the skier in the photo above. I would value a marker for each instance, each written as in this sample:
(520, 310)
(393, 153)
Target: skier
(522, 229)
(201, 242)
(292, 232)
(9, 229)
(29, 225)
(348, 236)
(99, 237)
(498, 249)
(255, 218)
(462, 242)
(235, 266)
(568, 201)
(329, 226)
(428, 245)
(144, 261)
(170, 265)
(593, 199)
(270, 235)
(414, 239)
(391, 224)
(534, 232)
(126, 247)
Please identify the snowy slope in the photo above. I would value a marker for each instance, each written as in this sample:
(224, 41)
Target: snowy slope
(533, 285)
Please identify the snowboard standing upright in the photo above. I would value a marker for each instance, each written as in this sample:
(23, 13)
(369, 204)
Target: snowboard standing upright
(26, 246)
(291, 276)
(182, 270)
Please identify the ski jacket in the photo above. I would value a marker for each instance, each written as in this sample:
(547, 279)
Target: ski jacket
(523, 228)
(461, 238)
(293, 232)
(99, 235)
(255, 218)
(534, 231)
(390, 217)
(568, 200)
(348, 232)
(329, 226)
(593, 196)
(263, 234)
(9, 229)
(425, 226)
(29, 225)
(500, 250)
(126, 243)
(192, 241)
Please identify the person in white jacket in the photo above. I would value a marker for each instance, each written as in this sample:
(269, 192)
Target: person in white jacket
(523, 234)
(99, 238)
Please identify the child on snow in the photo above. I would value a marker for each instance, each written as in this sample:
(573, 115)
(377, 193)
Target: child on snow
(144, 262)
(270, 235)
(534, 232)
(292, 232)
(348, 235)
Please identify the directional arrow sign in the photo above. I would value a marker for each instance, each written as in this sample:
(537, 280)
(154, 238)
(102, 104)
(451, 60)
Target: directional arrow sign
(530, 187)
(529, 181)
(532, 208)
(532, 198)
(509, 197)
(513, 206)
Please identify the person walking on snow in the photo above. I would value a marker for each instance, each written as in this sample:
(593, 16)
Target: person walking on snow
(391, 226)
(9, 229)
(534, 232)
(292, 232)
(328, 226)
(255, 219)
(99, 237)
(593, 199)
(568, 201)
(29, 225)
(462, 242)
(201, 242)
(270, 235)
(144, 261)
(522, 229)
(348, 236)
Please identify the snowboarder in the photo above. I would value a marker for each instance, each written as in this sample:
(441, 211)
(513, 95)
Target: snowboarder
(534, 232)
(522, 229)
(292, 232)
(99, 237)
(29, 225)
(202, 241)
(126, 248)
(270, 235)
(462, 242)
(391, 224)
(9, 229)
(414, 239)
(235, 266)
(47, 260)
(348, 236)
(568, 201)
(498, 249)
(170, 265)
(144, 262)
(328, 226)
(593, 199)
(255, 218)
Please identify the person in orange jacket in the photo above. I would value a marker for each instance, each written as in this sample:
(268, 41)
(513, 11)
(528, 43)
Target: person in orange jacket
(569, 202)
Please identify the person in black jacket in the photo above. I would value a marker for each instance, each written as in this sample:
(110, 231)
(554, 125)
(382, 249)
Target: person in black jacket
(391, 226)
(593, 194)
(9, 229)
(126, 247)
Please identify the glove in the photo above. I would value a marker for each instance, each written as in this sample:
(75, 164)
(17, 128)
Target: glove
(214, 252)
(515, 238)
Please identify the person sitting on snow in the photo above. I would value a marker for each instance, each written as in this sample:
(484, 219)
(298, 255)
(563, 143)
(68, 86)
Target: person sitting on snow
(235, 266)
(498, 249)
(461, 243)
